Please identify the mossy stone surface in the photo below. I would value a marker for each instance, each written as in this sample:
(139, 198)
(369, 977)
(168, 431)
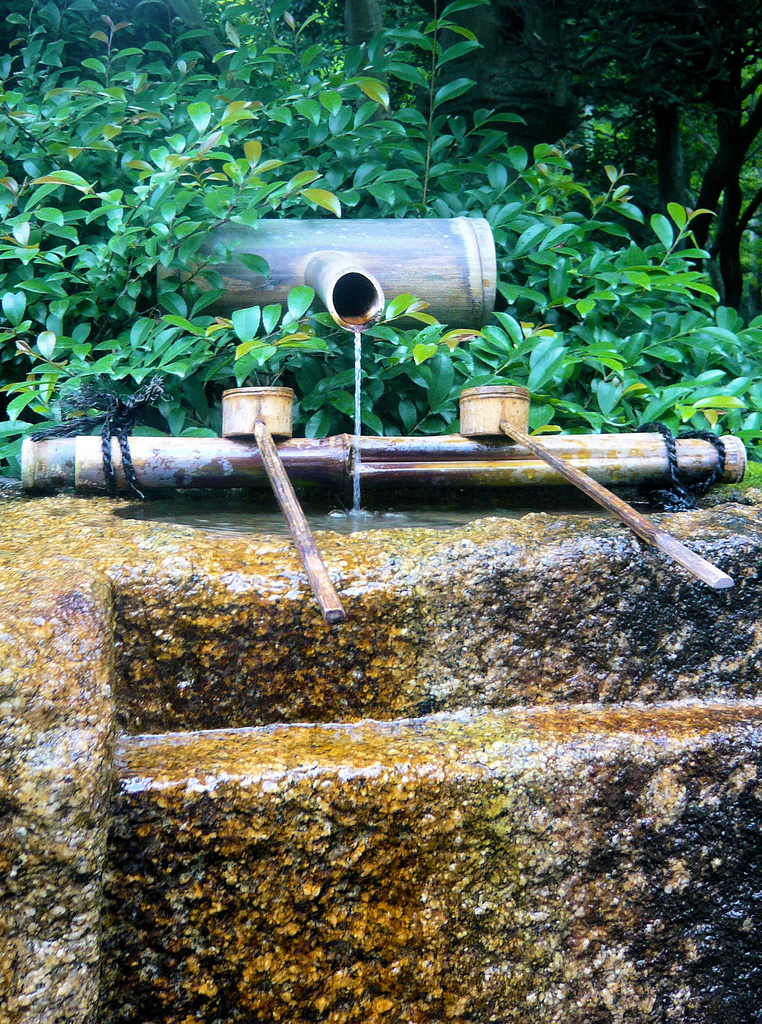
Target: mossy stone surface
(56, 769)
(572, 836)
(214, 631)
(547, 865)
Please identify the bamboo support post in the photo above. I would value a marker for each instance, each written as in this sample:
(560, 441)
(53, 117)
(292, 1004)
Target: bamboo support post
(304, 542)
(639, 524)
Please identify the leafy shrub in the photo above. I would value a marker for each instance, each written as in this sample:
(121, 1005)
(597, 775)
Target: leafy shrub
(113, 174)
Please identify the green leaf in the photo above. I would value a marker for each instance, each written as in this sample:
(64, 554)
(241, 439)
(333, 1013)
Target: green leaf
(720, 402)
(271, 317)
(14, 305)
(49, 214)
(678, 214)
(302, 178)
(383, 192)
(249, 346)
(246, 322)
(200, 114)
(93, 64)
(331, 100)
(663, 230)
(546, 359)
(186, 325)
(422, 352)
(17, 405)
(630, 211)
(321, 197)
(450, 90)
(608, 395)
(46, 344)
(299, 300)
(319, 425)
(528, 238)
(398, 305)
(498, 176)
(257, 264)
(442, 379)
(309, 109)
(374, 90)
(517, 157)
(458, 50)
(21, 232)
(644, 312)
(407, 73)
(408, 414)
(64, 178)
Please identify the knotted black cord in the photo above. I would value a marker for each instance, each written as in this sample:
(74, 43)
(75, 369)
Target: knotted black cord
(680, 496)
(117, 419)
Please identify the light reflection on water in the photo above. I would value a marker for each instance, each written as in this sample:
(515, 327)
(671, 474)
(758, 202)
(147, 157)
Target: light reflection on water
(241, 516)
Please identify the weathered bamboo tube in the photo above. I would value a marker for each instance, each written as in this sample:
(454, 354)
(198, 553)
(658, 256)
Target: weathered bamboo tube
(349, 292)
(481, 408)
(639, 524)
(449, 461)
(317, 574)
(450, 263)
(243, 407)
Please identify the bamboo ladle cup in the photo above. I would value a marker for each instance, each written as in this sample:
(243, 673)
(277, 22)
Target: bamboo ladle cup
(247, 412)
(509, 409)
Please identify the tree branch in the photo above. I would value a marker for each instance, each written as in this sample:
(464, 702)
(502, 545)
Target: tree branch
(751, 209)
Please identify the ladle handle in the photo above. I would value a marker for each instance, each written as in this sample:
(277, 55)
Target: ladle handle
(639, 524)
(304, 542)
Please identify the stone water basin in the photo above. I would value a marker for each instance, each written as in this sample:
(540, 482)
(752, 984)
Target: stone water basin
(520, 783)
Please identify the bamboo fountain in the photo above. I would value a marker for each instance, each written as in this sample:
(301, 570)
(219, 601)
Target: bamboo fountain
(350, 265)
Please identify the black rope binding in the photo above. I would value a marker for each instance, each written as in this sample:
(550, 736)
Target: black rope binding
(116, 418)
(680, 496)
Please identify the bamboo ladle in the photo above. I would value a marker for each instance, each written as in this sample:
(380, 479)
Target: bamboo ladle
(639, 524)
(304, 542)
(253, 411)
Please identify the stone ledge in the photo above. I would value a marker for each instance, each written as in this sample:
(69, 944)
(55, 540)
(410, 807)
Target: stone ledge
(57, 725)
(213, 631)
(543, 865)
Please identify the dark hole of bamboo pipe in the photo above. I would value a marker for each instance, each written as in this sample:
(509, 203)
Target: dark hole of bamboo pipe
(355, 298)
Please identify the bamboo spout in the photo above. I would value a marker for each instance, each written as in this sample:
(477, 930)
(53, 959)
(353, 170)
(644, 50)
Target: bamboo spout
(351, 294)
(449, 262)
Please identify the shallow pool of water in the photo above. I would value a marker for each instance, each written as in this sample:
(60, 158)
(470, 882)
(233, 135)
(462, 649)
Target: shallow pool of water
(259, 514)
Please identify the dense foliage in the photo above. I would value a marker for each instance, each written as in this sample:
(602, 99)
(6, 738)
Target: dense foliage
(682, 83)
(114, 170)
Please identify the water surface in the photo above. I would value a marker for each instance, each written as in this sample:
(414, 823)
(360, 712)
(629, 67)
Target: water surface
(258, 513)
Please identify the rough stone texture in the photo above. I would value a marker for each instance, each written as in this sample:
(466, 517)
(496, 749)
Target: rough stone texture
(547, 863)
(56, 738)
(560, 865)
(216, 631)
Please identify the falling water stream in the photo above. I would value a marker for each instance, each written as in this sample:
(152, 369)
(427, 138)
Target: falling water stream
(358, 423)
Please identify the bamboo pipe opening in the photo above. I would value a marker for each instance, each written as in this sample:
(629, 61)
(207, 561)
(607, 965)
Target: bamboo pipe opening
(351, 294)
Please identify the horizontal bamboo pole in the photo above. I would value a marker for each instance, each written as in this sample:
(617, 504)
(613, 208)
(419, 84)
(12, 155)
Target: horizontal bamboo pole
(449, 461)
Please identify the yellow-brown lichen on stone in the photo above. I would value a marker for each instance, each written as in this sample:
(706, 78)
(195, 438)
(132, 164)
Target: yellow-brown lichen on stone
(56, 718)
(514, 866)
(222, 631)
(551, 863)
